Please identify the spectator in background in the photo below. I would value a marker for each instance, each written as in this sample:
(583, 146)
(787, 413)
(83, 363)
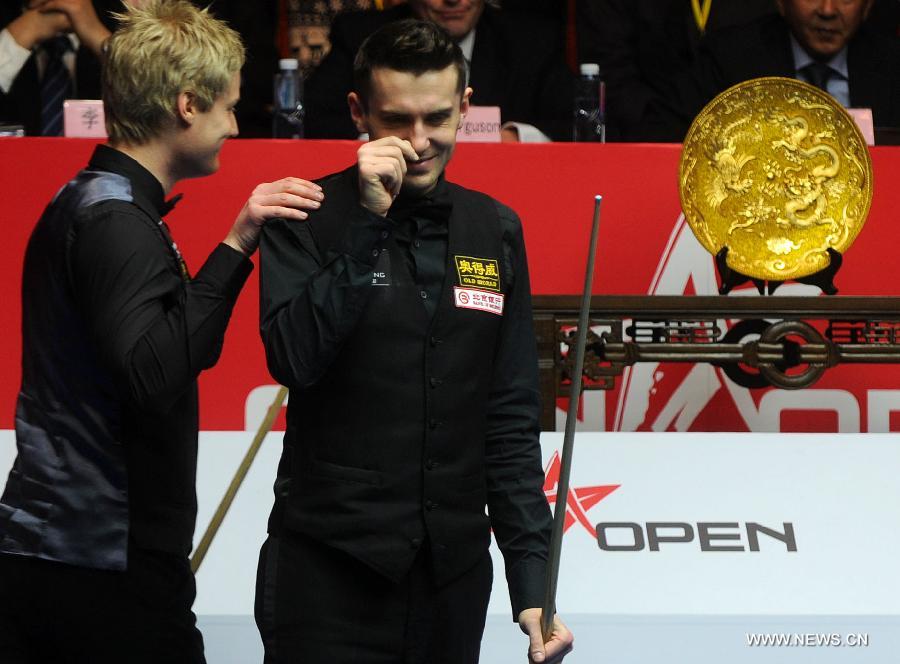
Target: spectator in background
(515, 62)
(639, 44)
(49, 52)
(822, 42)
(304, 26)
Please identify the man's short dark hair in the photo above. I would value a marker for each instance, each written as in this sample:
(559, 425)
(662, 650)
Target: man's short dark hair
(410, 46)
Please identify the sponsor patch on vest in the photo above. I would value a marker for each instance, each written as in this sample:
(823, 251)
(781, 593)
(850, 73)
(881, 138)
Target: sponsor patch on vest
(482, 273)
(472, 298)
(381, 275)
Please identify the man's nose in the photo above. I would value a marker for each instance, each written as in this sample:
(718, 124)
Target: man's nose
(418, 138)
(827, 8)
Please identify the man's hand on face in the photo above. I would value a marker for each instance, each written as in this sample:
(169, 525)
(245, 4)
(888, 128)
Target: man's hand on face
(551, 652)
(382, 167)
(34, 27)
(287, 198)
(84, 20)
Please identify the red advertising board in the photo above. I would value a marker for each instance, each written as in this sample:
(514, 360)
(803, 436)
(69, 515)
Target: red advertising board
(644, 248)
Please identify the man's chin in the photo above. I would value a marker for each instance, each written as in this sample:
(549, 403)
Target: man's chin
(419, 184)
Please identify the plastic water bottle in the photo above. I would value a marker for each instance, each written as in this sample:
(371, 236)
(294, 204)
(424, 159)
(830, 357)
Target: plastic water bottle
(288, 111)
(589, 116)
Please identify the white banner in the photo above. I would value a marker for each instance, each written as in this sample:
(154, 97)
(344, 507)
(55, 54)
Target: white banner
(717, 524)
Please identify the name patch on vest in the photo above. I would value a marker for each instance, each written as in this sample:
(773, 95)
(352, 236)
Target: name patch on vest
(481, 273)
(472, 298)
(381, 275)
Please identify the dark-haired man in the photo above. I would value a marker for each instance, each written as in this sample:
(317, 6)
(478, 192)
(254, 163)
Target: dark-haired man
(515, 61)
(400, 318)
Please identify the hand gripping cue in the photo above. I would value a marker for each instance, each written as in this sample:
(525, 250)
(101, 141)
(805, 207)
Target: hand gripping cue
(562, 488)
(216, 522)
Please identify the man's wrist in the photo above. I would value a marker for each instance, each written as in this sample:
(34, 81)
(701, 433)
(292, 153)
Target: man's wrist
(234, 241)
(21, 32)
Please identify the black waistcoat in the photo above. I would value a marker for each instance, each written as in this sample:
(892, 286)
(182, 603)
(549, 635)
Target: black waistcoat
(388, 447)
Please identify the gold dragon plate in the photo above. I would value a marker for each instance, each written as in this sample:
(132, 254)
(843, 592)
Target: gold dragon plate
(777, 171)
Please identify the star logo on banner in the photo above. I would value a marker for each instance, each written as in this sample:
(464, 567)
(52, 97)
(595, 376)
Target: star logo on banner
(579, 500)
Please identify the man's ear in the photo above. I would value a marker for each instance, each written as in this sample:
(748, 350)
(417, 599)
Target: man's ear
(187, 107)
(465, 102)
(358, 113)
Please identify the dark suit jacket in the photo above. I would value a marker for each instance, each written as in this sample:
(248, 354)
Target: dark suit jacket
(763, 48)
(641, 44)
(22, 104)
(517, 64)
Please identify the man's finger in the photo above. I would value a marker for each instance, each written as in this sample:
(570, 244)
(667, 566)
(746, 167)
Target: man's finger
(406, 148)
(306, 190)
(285, 199)
(555, 650)
(301, 182)
(274, 211)
(536, 641)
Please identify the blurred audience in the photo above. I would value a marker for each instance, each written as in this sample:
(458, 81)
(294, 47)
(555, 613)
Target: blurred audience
(256, 21)
(823, 42)
(640, 44)
(49, 52)
(515, 62)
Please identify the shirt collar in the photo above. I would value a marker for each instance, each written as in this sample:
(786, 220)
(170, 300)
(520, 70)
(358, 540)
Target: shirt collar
(803, 59)
(144, 183)
(467, 45)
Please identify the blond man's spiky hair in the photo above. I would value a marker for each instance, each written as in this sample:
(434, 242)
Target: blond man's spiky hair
(161, 49)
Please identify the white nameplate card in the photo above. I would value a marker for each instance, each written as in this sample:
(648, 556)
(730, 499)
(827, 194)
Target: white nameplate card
(481, 125)
(863, 119)
(83, 118)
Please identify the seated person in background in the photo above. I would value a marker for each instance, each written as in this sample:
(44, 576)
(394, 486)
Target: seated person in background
(641, 43)
(49, 52)
(304, 25)
(515, 62)
(822, 42)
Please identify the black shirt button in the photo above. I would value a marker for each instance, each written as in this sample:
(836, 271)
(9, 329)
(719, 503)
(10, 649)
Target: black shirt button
(424, 295)
(429, 505)
(375, 252)
(385, 235)
(415, 543)
(417, 244)
(430, 465)
(434, 382)
(433, 423)
(434, 341)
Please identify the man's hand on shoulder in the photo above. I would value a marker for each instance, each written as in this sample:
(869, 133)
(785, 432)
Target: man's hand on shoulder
(382, 167)
(551, 652)
(286, 198)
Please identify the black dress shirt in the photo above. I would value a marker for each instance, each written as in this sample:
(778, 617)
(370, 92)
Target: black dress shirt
(114, 337)
(312, 298)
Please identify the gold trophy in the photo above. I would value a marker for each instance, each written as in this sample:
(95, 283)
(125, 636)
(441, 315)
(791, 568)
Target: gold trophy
(776, 182)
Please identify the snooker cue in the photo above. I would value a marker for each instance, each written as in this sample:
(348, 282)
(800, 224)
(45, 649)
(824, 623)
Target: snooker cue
(219, 516)
(562, 488)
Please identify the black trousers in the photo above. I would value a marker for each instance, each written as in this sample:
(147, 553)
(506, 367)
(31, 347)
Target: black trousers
(61, 614)
(318, 605)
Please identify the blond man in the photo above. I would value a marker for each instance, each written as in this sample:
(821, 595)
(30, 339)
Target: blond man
(98, 513)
